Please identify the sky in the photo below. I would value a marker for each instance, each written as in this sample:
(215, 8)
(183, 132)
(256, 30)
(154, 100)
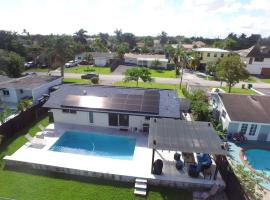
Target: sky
(207, 18)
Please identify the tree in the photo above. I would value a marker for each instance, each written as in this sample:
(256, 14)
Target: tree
(194, 60)
(149, 41)
(199, 105)
(250, 181)
(23, 104)
(130, 39)
(211, 68)
(163, 38)
(5, 113)
(80, 36)
(121, 49)
(119, 34)
(180, 60)
(231, 70)
(11, 64)
(104, 37)
(99, 46)
(135, 74)
(155, 63)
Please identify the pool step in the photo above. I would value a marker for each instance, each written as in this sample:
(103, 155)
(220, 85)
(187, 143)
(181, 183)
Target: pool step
(140, 186)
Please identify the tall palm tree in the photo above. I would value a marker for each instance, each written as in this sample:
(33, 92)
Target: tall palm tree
(180, 60)
(80, 36)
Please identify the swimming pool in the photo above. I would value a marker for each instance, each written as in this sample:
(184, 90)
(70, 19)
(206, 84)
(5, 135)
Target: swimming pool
(96, 144)
(259, 160)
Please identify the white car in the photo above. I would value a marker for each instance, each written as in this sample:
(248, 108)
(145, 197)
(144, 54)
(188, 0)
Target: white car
(71, 63)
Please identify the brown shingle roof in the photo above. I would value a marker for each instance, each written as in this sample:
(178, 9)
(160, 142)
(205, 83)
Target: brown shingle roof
(259, 51)
(247, 108)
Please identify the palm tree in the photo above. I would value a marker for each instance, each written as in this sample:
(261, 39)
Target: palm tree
(80, 36)
(180, 60)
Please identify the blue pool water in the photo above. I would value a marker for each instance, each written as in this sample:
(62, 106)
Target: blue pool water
(97, 144)
(259, 160)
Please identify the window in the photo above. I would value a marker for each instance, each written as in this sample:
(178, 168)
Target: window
(244, 128)
(259, 59)
(123, 120)
(91, 117)
(113, 119)
(21, 91)
(73, 111)
(250, 60)
(222, 55)
(118, 119)
(215, 55)
(65, 110)
(253, 129)
(223, 114)
(6, 92)
(147, 118)
(208, 54)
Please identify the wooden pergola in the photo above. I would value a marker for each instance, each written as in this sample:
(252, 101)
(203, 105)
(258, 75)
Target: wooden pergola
(184, 136)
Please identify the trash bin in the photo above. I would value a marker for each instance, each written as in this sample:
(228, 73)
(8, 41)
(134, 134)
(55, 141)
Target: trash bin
(250, 86)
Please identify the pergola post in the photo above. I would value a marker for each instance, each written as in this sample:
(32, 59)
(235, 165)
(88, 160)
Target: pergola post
(153, 157)
(217, 166)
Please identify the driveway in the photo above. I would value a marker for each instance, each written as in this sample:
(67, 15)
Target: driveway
(120, 69)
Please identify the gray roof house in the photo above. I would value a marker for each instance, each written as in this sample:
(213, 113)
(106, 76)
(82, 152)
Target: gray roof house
(31, 86)
(109, 106)
(247, 114)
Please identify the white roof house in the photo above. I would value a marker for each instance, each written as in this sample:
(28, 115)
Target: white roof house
(145, 59)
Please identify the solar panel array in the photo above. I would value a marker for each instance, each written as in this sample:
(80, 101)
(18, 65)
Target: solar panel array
(147, 103)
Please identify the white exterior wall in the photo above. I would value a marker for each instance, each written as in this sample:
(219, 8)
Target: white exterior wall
(44, 89)
(12, 97)
(206, 59)
(256, 67)
(26, 93)
(100, 119)
(100, 61)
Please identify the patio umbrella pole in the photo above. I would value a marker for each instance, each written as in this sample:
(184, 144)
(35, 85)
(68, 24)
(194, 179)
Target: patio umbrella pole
(153, 157)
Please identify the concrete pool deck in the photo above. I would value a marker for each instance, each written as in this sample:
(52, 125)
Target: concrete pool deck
(122, 170)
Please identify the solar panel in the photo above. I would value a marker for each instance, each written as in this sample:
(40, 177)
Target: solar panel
(147, 103)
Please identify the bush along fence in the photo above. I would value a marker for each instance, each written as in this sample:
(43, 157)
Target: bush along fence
(233, 188)
(21, 121)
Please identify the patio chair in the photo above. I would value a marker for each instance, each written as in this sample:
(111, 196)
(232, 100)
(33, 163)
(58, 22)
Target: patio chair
(33, 140)
(157, 167)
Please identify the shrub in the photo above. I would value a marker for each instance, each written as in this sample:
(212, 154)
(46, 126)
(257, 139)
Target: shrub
(95, 80)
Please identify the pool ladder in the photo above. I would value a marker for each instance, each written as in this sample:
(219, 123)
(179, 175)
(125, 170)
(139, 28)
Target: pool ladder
(140, 186)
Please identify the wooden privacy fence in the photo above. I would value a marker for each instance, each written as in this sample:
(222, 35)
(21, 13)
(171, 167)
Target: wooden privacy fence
(233, 189)
(21, 121)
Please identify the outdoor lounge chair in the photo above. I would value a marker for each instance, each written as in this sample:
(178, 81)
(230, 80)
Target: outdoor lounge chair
(33, 140)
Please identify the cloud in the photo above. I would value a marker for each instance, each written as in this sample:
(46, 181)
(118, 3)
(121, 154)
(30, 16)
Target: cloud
(209, 18)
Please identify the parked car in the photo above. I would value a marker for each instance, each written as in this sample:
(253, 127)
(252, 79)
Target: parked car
(85, 62)
(71, 63)
(30, 64)
(89, 76)
(44, 66)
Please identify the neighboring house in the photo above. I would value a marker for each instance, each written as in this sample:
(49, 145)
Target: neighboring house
(109, 106)
(31, 86)
(247, 114)
(99, 58)
(257, 59)
(210, 54)
(145, 60)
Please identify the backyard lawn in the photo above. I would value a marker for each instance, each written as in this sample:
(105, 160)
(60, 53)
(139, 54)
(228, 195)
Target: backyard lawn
(37, 70)
(265, 80)
(152, 85)
(251, 79)
(82, 69)
(32, 186)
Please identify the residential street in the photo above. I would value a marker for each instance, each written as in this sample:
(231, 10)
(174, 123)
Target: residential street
(188, 77)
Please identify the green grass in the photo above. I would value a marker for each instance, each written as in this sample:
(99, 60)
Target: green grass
(151, 85)
(38, 70)
(46, 186)
(76, 81)
(265, 80)
(211, 78)
(235, 90)
(162, 73)
(82, 69)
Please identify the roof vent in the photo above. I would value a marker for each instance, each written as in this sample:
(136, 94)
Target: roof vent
(84, 92)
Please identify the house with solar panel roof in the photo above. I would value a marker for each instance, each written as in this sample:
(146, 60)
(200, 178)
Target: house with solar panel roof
(109, 106)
